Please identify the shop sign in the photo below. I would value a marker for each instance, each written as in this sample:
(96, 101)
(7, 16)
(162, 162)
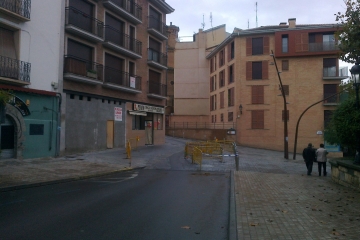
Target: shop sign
(118, 113)
(20, 105)
(147, 108)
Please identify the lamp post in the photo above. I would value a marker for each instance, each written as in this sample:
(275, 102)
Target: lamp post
(286, 149)
(355, 76)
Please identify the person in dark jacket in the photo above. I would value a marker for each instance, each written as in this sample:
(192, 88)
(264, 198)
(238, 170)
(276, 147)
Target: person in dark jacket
(309, 157)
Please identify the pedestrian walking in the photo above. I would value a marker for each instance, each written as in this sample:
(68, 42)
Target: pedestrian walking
(309, 157)
(321, 158)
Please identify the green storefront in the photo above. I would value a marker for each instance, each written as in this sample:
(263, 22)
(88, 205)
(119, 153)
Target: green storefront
(29, 127)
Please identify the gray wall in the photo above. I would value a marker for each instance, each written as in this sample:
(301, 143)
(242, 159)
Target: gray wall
(86, 124)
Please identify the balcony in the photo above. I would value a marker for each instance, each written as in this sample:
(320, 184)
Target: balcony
(81, 70)
(157, 59)
(120, 80)
(332, 73)
(122, 43)
(156, 90)
(83, 25)
(323, 47)
(126, 8)
(14, 72)
(333, 101)
(19, 9)
(157, 28)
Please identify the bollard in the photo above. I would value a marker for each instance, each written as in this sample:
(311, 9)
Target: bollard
(128, 152)
(237, 161)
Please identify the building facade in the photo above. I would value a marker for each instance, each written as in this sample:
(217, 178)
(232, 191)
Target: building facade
(30, 65)
(245, 85)
(115, 65)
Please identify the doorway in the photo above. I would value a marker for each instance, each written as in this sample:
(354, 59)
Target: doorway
(7, 137)
(148, 132)
(110, 134)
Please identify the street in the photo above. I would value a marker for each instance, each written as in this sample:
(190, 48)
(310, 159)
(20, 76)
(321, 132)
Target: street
(137, 204)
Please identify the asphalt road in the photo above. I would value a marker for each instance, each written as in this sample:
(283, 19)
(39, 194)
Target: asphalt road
(137, 204)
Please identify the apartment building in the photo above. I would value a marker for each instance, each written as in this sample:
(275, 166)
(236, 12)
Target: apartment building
(191, 75)
(115, 65)
(31, 36)
(245, 87)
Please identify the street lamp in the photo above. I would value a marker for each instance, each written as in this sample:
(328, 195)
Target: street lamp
(286, 149)
(355, 76)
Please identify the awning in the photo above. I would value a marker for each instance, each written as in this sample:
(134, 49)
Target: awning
(137, 113)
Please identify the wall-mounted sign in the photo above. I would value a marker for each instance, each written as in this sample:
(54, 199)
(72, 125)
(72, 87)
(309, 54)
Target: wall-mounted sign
(118, 113)
(147, 108)
(20, 105)
(319, 133)
(132, 82)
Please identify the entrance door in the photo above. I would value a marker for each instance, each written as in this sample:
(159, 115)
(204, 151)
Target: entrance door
(148, 133)
(7, 138)
(110, 134)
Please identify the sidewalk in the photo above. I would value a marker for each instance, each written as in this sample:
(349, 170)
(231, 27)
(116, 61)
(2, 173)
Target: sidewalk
(275, 199)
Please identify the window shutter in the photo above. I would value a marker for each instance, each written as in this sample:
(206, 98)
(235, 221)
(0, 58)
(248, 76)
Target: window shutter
(266, 43)
(248, 70)
(302, 42)
(265, 70)
(248, 46)
(257, 94)
(257, 119)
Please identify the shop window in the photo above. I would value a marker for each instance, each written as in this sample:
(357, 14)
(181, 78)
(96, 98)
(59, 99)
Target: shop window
(158, 121)
(138, 122)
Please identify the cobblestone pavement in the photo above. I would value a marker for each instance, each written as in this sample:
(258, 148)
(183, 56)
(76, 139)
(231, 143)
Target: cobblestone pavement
(275, 199)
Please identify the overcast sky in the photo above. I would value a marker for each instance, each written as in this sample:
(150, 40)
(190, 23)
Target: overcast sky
(188, 14)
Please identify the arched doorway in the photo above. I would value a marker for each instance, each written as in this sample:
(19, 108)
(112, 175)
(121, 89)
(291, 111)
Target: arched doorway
(7, 138)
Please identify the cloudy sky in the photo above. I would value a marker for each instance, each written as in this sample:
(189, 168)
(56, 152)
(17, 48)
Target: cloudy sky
(189, 14)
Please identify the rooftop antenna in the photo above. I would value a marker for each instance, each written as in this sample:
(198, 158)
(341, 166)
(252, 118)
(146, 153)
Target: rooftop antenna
(212, 30)
(203, 23)
(256, 15)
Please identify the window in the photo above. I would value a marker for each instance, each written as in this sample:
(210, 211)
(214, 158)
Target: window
(213, 118)
(328, 42)
(327, 117)
(285, 43)
(221, 58)
(257, 94)
(283, 115)
(231, 74)
(36, 129)
(329, 90)
(158, 121)
(222, 99)
(155, 19)
(285, 65)
(215, 62)
(213, 83)
(257, 70)
(231, 97)
(230, 116)
(257, 119)
(222, 79)
(286, 89)
(232, 50)
(257, 46)
(329, 67)
(138, 122)
(114, 67)
(221, 117)
(155, 86)
(213, 102)
(211, 65)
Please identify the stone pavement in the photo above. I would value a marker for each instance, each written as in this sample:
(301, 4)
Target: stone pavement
(274, 197)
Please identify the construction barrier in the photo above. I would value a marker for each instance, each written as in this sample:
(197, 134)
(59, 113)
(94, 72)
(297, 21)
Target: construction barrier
(197, 156)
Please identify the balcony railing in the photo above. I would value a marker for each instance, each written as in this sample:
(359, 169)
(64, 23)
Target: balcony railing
(322, 47)
(129, 6)
(157, 57)
(84, 21)
(121, 78)
(157, 25)
(15, 69)
(20, 7)
(83, 68)
(333, 100)
(123, 40)
(156, 88)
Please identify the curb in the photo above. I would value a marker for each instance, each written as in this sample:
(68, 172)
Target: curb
(39, 184)
(232, 210)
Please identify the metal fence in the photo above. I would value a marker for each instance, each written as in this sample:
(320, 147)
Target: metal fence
(200, 125)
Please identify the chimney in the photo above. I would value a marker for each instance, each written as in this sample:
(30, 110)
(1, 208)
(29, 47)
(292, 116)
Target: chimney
(282, 24)
(292, 22)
